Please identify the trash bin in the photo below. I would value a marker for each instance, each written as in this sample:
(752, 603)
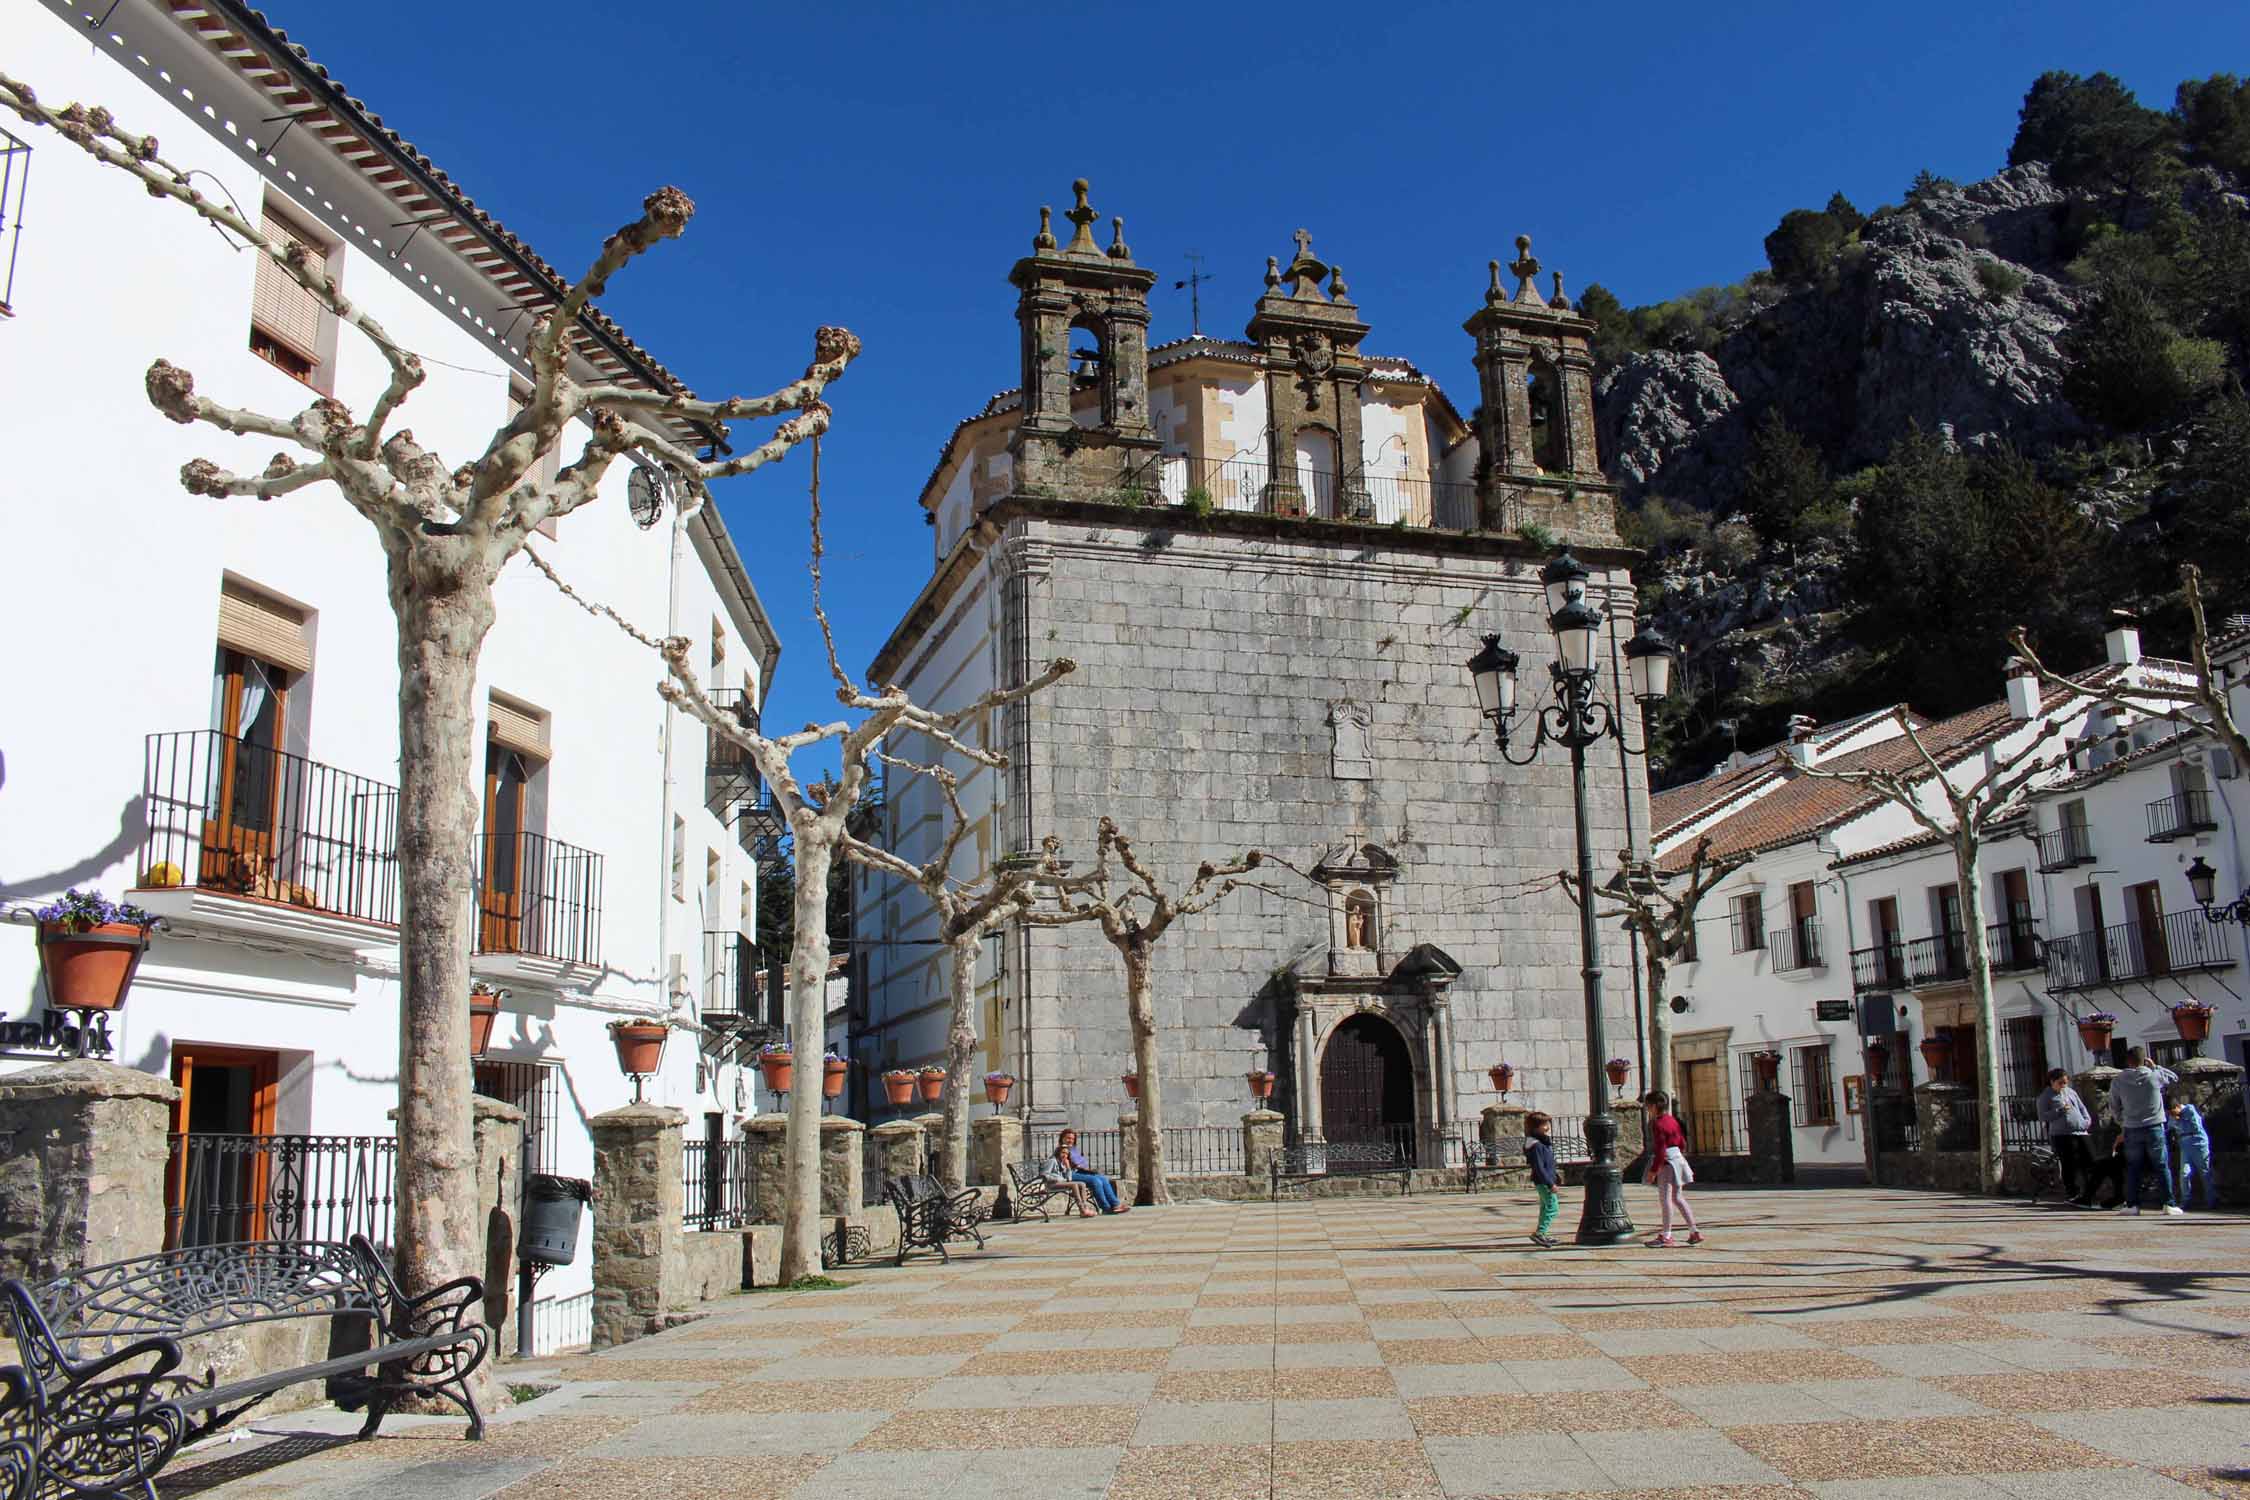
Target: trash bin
(551, 1211)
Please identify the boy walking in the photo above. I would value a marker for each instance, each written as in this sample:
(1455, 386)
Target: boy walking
(1539, 1151)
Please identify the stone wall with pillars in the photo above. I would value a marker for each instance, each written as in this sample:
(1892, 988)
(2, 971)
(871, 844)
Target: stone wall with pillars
(640, 1260)
(899, 1148)
(499, 1137)
(841, 1167)
(82, 1153)
(995, 1144)
(1262, 1140)
(1773, 1150)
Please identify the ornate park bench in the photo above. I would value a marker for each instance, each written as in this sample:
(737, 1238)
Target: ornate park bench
(1029, 1191)
(928, 1215)
(1297, 1166)
(104, 1403)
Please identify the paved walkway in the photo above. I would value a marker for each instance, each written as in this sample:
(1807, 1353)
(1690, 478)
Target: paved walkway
(1840, 1344)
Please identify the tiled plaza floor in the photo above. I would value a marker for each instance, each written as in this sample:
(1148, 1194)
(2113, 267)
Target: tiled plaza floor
(1845, 1344)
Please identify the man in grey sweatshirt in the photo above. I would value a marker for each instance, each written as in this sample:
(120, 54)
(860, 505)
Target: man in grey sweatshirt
(2136, 1102)
(2066, 1120)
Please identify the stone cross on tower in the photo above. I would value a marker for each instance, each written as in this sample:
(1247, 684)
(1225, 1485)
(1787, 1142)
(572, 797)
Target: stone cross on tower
(1306, 271)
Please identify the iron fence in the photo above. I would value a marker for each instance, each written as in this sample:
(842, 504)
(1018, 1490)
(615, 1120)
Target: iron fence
(2065, 848)
(2132, 950)
(2013, 944)
(1891, 1116)
(540, 897)
(1356, 495)
(2179, 815)
(2020, 1129)
(228, 815)
(1202, 1150)
(1881, 967)
(221, 1189)
(1796, 945)
(1104, 1150)
(719, 1181)
(1715, 1132)
(1938, 959)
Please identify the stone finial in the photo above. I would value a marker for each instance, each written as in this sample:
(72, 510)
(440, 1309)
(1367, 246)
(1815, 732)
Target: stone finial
(1337, 291)
(1273, 272)
(1524, 268)
(1045, 238)
(1495, 293)
(1118, 249)
(1082, 214)
(1306, 271)
(1558, 299)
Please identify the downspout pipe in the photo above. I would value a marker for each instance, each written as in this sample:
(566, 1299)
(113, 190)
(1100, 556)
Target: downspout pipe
(680, 514)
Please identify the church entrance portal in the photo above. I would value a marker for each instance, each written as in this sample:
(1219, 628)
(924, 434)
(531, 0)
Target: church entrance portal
(1367, 1084)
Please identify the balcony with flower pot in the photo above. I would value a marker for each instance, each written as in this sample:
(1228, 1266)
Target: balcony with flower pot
(251, 841)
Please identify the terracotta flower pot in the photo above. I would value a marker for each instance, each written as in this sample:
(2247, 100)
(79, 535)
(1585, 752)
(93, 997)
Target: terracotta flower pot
(1938, 1053)
(1132, 1085)
(484, 1009)
(933, 1085)
(899, 1087)
(1503, 1076)
(2193, 1021)
(1618, 1070)
(1767, 1065)
(90, 970)
(832, 1073)
(639, 1044)
(2095, 1035)
(996, 1090)
(779, 1070)
(1261, 1085)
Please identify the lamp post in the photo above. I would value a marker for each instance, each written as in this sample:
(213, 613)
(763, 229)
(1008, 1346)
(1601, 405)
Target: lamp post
(2203, 881)
(1576, 719)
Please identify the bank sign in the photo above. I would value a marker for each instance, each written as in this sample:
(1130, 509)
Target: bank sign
(54, 1033)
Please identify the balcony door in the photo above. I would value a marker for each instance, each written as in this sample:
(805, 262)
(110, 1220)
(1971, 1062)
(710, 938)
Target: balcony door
(2146, 903)
(501, 903)
(249, 702)
(219, 1184)
(1891, 951)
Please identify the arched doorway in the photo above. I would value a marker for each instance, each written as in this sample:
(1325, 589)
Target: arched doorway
(1367, 1084)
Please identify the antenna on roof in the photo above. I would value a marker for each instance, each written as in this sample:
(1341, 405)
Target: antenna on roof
(1193, 283)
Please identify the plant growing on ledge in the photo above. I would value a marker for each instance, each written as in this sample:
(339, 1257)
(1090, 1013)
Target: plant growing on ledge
(1197, 502)
(1538, 535)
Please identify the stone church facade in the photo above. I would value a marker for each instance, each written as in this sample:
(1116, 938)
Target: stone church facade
(1271, 559)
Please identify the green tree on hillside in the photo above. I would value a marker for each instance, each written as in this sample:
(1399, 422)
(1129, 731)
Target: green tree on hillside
(2212, 116)
(1785, 484)
(2094, 135)
(1806, 240)
(2131, 368)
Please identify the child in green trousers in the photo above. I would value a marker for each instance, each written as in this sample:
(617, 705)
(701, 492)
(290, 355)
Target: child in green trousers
(1539, 1151)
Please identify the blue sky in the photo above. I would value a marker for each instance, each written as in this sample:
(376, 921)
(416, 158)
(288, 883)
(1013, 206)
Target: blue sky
(882, 167)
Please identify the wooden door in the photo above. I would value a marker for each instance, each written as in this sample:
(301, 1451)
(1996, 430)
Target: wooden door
(2017, 947)
(500, 902)
(214, 1194)
(2146, 903)
(1366, 1083)
(243, 813)
(1703, 1106)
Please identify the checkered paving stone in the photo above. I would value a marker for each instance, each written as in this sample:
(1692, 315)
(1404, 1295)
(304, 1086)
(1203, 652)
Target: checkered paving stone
(1845, 1344)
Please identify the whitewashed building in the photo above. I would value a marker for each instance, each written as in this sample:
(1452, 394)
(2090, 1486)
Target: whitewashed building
(1847, 921)
(202, 693)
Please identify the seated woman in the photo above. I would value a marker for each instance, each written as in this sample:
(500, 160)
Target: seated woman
(1103, 1190)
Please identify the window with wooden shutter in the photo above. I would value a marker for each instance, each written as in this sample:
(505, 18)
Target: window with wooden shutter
(285, 319)
(519, 727)
(258, 625)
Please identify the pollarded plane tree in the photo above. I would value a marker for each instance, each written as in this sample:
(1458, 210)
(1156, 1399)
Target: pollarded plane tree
(1663, 913)
(446, 530)
(1134, 911)
(1963, 812)
(817, 818)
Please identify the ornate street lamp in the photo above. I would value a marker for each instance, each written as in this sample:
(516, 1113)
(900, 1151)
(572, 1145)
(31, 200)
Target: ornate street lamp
(1577, 718)
(2204, 882)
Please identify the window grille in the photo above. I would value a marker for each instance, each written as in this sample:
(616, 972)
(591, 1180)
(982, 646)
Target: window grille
(1749, 924)
(2023, 1056)
(533, 1088)
(1812, 1085)
(280, 308)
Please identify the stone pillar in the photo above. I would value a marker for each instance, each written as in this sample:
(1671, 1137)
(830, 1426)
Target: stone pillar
(82, 1154)
(1934, 1108)
(638, 1256)
(1307, 1074)
(2212, 1086)
(1441, 1065)
(841, 1166)
(900, 1149)
(768, 1166)
(1502, 1125)
(995, 1144)
(500, 1188)
(1261, 1142)
(1632, 1137)
(1773, 1147)
(2093, 1089)
(1129, 1153)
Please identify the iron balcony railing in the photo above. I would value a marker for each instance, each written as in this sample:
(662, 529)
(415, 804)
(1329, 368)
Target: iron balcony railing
(1253, 485)
(15, 175)
(718, 1184)
(730, 776)
(2065, 848)
(2014, 945)
(227, 815)
(2179, 815)
(2130, 950)
(1882, 967)
(220, 1189)
(1941, 959)
(1794, 946)
(539, 897)
(730, 981)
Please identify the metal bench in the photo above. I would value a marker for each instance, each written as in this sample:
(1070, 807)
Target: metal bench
(1484, 1163)
(101, 1408)
(928, 1216)
(1030, 1193)
(1299, 1165)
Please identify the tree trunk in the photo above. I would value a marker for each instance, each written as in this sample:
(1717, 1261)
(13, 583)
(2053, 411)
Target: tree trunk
(442, 598)
(1967, 862)
(808, 1022)
(1142, 1013)
(1659, 1020)
(960, 1053)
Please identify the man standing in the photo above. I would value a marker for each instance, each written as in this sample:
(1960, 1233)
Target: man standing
(2067, 1121)
(2136, 1101)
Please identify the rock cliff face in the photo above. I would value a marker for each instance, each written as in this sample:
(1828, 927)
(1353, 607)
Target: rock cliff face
(1947, 314)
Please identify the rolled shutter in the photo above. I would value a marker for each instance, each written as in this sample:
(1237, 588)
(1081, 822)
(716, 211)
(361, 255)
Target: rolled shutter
(264, 627)
(278, 305)
(519, 727)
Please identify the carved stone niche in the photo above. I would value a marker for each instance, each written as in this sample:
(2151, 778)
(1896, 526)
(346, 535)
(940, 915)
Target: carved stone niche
(1351, 742)
(1357, 878)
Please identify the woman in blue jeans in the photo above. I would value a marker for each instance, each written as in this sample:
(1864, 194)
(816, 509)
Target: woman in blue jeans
(1104, 1191)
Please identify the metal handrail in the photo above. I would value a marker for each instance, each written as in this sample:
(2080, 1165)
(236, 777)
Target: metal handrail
(2180, 941)
(2179, 815)
(539, 897)
(1881, 967)
(223, 1188)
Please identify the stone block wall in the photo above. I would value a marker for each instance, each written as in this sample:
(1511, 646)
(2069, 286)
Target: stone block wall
(82, 1154)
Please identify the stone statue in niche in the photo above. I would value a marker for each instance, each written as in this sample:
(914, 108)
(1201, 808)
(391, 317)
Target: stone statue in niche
(1350, 746)
(1359, 918)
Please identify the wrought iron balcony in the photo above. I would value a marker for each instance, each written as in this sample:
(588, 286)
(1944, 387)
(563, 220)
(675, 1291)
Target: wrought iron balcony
(1882, 967)
(539, 897)
(2178, 943)
(1795, 946)
(265, 826)
(2179, 815)
(1942, 959)
(2065, 848)
(729, 774)
(2014, 945)
(732, 1000)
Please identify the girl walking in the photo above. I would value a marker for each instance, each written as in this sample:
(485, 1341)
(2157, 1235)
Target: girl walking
(1668, 1166)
